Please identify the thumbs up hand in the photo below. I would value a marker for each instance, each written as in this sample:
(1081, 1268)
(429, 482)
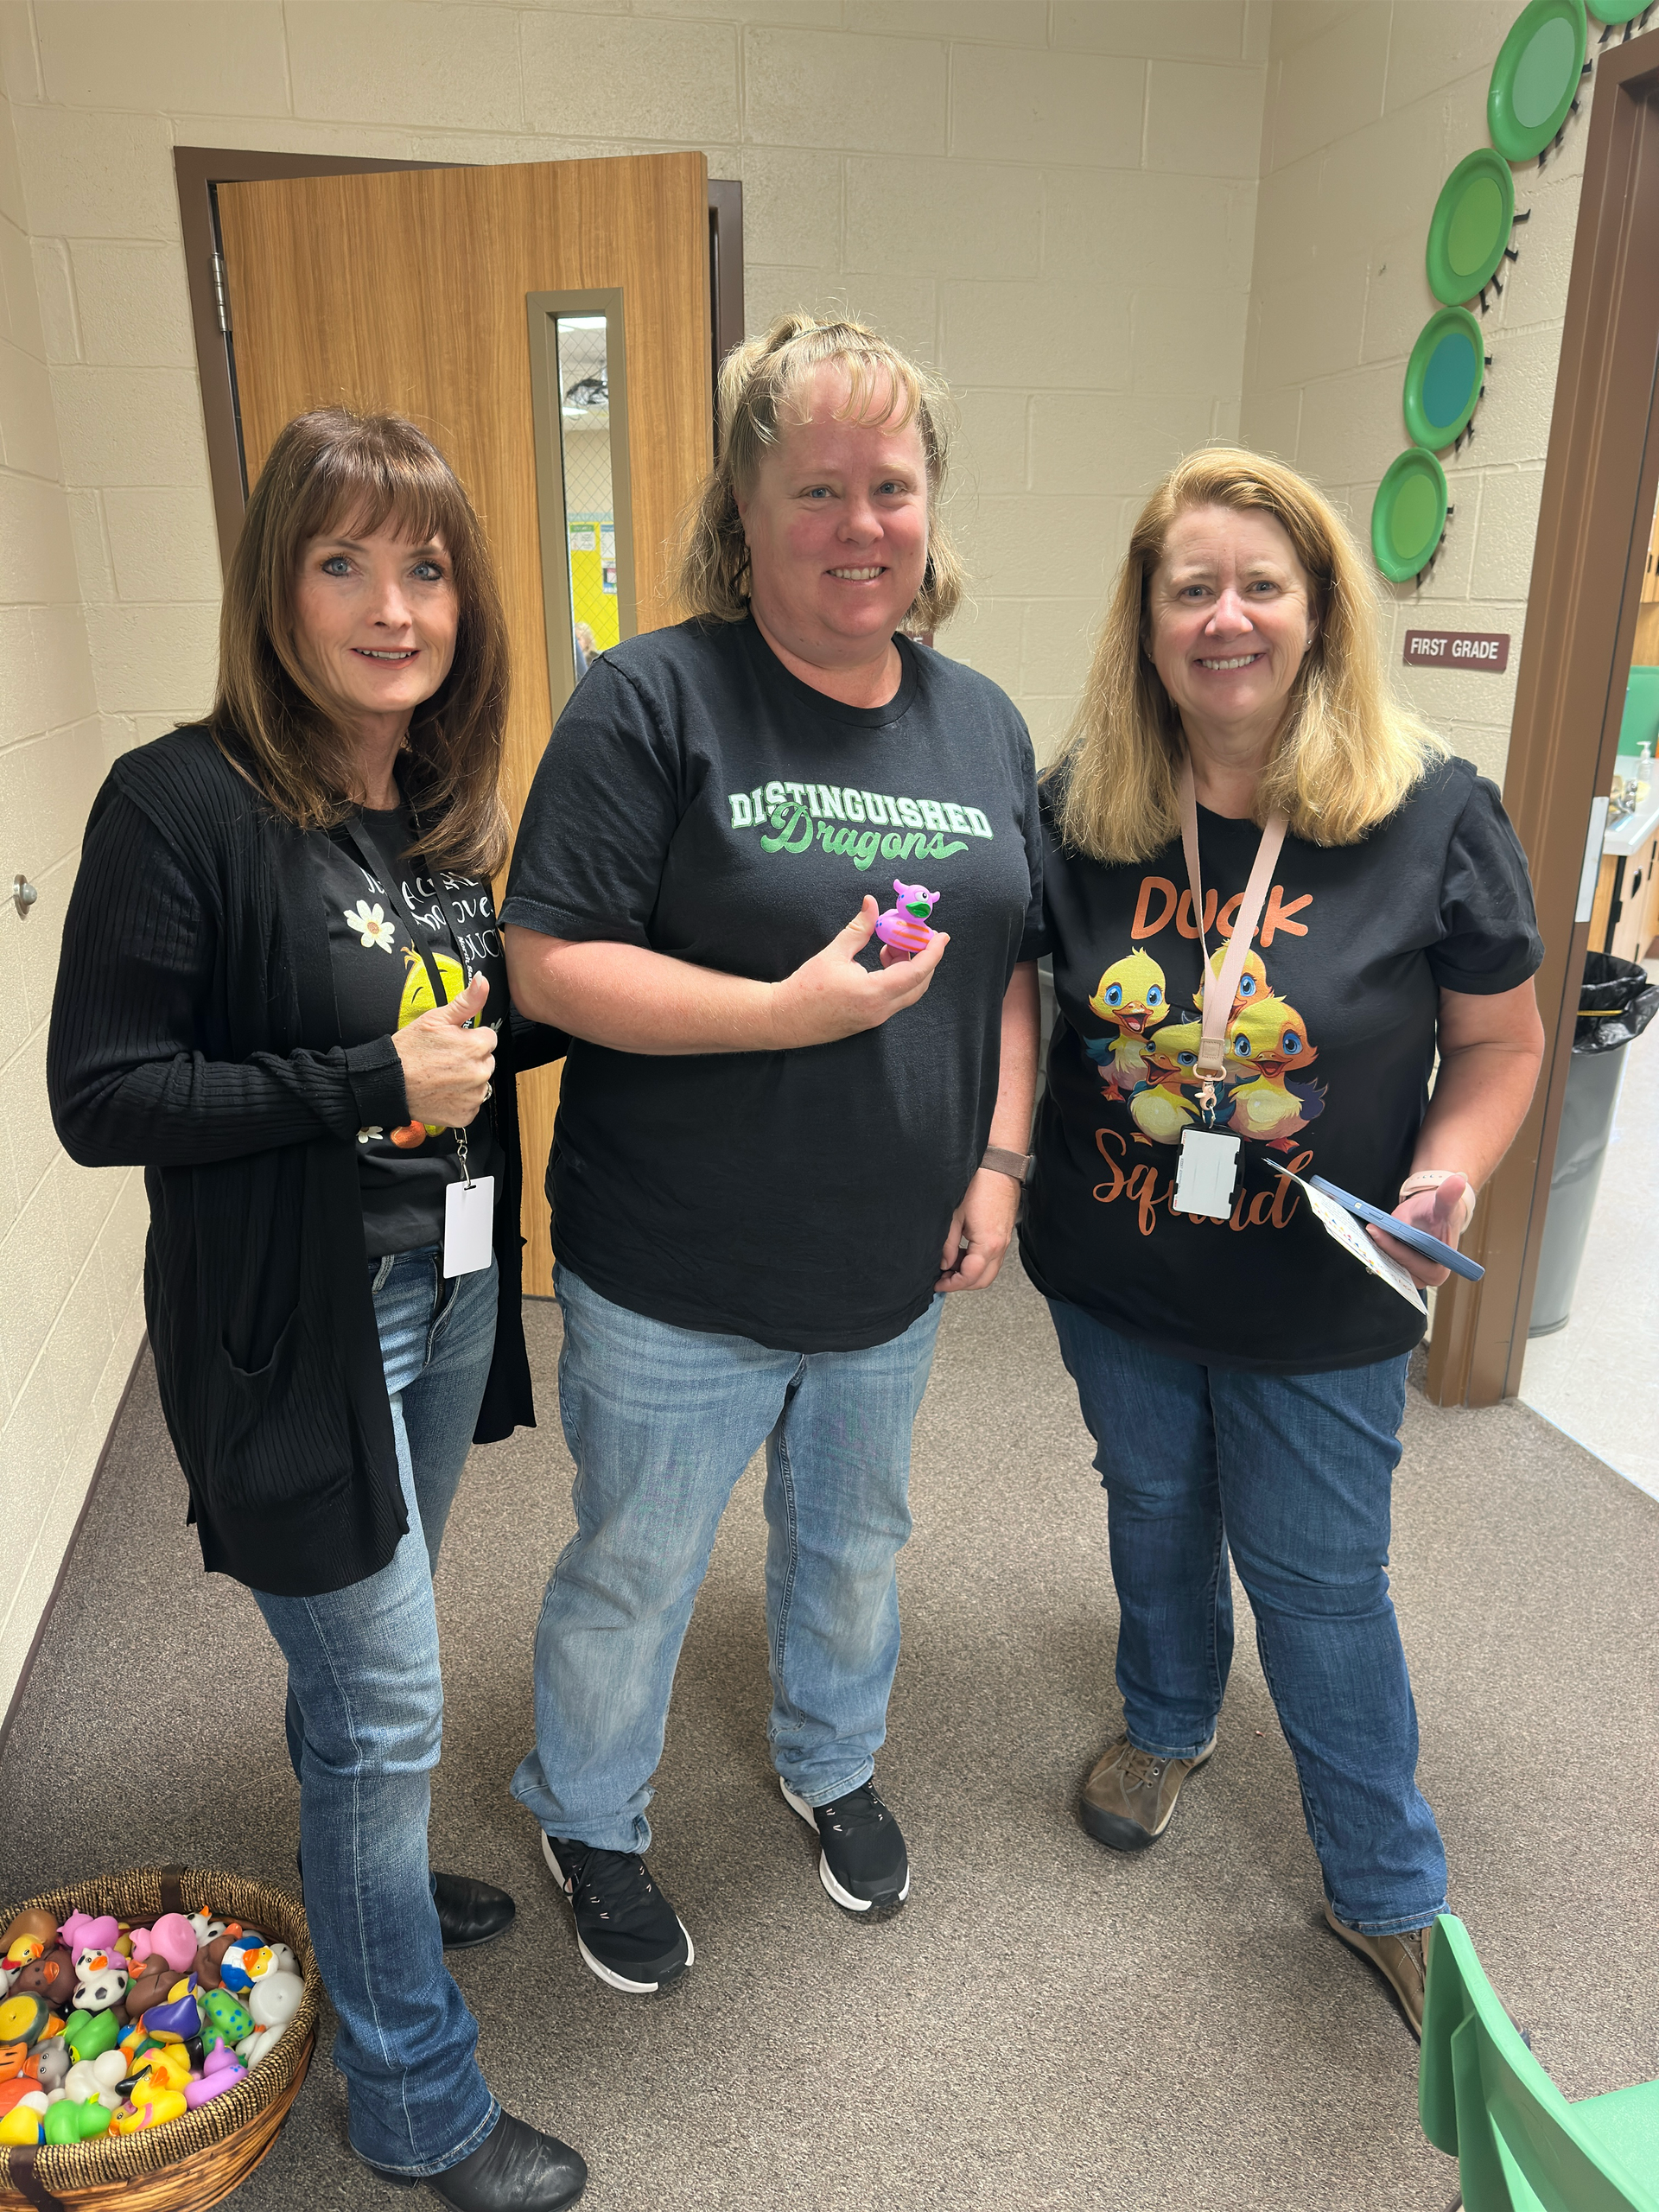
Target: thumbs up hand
(447, 1067)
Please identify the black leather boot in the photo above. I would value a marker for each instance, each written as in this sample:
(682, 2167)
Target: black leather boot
(469, 1912)
(514, 2170)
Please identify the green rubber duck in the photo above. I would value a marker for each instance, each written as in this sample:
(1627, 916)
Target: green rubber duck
(89, 2035)
(225, 2019)
(68, 2122)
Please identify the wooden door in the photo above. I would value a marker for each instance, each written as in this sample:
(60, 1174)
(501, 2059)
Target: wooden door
(407, 292)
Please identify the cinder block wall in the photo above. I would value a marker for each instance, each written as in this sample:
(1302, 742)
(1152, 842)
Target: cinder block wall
(1370, 105)
(1052, 200)
(70, 1316)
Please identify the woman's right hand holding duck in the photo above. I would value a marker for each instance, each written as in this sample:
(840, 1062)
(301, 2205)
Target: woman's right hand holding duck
(830, 995)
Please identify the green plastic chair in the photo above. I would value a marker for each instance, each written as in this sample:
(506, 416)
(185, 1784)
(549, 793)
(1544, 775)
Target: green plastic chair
(1520, 2145)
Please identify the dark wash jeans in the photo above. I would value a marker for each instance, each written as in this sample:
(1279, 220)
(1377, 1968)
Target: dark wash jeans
(1292, 1473)
(366, 1722)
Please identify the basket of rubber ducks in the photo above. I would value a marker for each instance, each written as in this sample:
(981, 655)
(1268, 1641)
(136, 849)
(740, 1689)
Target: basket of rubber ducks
(155, 2028)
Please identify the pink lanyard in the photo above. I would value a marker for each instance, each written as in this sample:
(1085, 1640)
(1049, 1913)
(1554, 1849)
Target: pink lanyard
(1219, 991)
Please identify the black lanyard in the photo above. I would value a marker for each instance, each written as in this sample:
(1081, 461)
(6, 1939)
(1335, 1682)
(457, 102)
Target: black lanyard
(376, 866)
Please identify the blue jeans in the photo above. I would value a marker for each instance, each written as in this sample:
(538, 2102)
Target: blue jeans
(366, 1720)
(661, 1422)
(1292, 1473)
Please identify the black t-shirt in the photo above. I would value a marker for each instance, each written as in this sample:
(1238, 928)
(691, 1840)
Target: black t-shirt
(698, 799)
(1338, 999)
(381, 984)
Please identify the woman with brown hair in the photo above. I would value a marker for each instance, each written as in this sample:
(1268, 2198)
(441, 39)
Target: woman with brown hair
(278, 948)
(777, 1152)
(1272, 899)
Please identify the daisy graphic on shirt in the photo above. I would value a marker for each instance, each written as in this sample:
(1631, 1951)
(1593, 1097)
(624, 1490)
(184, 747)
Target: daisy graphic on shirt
(371, 924)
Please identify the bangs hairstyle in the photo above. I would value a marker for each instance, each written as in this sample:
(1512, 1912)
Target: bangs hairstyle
(1350, 751)
(760, 382)
(332, 472)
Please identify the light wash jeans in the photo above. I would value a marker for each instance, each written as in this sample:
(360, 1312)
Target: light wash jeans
(661, 1422)
(1292, 1473)
(366, 1720)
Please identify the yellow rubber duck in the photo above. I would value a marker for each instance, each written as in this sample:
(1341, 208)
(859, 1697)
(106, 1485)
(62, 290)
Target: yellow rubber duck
(165, 2066)
(1265, 1041)
(1159, 1107)
(152, 2108)
(26, 2122)
(1132, 995)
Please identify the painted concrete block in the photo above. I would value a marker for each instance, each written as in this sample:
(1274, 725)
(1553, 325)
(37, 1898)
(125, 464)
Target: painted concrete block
(162, 541)
(1190, 30)
(130, 425)
(868, 95)
(1072, 108)
(1112, 442)
(988, 454)
(1187, 342)
(1508, 524)
(944, 217)
(133, 306)
(37, 561)
(97, 176)
(1057, 334)
(145, 657)
(172, 57)
(998, 22)
(19, 285)
(406, 62)
(1106, 229)
(651, 79)
(1328, 87)
(792, 204)
(1204, 119)
(29, 437)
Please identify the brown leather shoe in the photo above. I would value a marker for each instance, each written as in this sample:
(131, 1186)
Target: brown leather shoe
(1130, 1797)
(1402, 1961)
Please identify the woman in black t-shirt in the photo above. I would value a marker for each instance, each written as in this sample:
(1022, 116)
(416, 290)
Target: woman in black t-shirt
(279, 943)
(772, 1160)
(1243, 1376)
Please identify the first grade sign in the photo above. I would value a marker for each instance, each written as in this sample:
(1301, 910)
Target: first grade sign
(1484, 648)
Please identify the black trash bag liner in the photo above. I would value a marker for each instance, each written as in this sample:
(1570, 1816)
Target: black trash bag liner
(1616, 1003)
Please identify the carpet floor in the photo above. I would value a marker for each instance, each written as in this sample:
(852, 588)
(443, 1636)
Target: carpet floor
(1048, 2024)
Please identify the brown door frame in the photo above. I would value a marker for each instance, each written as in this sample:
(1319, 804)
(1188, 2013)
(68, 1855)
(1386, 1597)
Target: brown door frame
(200, 170)
(1601, 478)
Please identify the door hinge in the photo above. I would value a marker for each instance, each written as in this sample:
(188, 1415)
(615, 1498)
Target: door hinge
(222, 294)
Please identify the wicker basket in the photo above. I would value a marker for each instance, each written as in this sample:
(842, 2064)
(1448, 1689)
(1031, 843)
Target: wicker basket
(198, 2159)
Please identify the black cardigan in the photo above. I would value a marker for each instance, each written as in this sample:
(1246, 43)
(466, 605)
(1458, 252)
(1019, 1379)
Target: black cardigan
(194, 1033)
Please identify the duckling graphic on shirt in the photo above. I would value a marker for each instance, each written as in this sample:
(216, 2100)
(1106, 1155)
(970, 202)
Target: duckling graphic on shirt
(1132, 995)
(1266, 1041)
(1160, 1106)
(1252, 981)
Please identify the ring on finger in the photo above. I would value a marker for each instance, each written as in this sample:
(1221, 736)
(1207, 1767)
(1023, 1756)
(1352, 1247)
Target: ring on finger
(488, 1089)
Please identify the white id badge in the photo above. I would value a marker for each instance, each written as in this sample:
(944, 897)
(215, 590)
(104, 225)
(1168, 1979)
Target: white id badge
(468, 1214)
(1205, 1173)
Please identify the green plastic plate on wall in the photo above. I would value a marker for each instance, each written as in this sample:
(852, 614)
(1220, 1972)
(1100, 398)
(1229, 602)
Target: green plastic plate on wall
(1408, 515)
(1443, 378)
(1617, 11)
(1471, 227)
(1536, 77)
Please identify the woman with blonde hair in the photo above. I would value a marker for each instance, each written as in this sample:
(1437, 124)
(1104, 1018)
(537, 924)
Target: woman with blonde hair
(1272, 899)
(276, 958)
(775, 1153)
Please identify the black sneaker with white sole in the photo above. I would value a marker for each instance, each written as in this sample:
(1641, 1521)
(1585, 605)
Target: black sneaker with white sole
(863, 1863)
(627, 1930)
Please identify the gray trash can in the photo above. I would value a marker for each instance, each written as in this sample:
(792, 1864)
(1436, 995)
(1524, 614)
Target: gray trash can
(1616, 1004)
